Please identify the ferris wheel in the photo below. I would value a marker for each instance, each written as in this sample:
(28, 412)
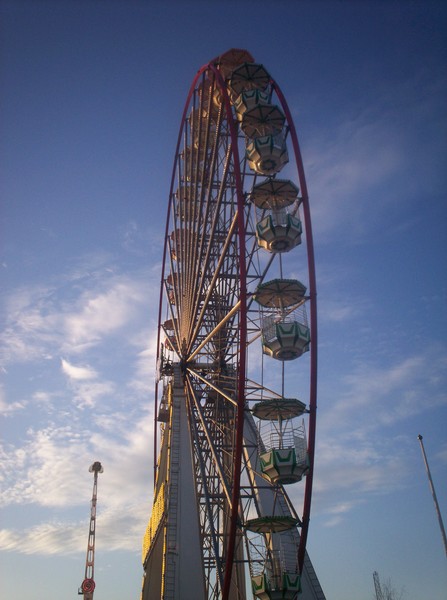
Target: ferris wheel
(237, 334)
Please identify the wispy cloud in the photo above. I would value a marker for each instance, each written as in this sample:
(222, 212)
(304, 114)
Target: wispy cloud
(361, 167)
(51, 470)
(43, 321)
(77, 373)
(87, 395)
(45, 538)
(120, 527)
(93, 321)
(46, 469)
(359, 452)
(442, 454)
(337, 513)
(100, 314)
(342, 309)
(8, 408)
(32, 325)
(384, 394)
(144, 372)
(346, 169)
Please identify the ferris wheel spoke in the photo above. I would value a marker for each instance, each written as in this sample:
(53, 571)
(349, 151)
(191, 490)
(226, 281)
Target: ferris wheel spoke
(211, 536)
(217, 270)
(215, 330)
(208, 431)
(200, 267)
(257, 391)
(209, 384)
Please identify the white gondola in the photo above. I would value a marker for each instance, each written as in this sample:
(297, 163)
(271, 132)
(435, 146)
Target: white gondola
(286, 339)
(248, 100)
(285, 333)
(285, 587)
(278, 227)
(283, 452)
(282, 441)
(267, 155)
(258, 117)
(279, 232)
(275, 576)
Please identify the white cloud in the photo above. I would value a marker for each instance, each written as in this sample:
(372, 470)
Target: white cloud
(44, 321)
(86, 387)
(359, 450)
(8, 408)
(368, 162)
(44, 398)
(338, 512)
(45, 538)
(347, 168)
(119, 528)
(103, 313)
(45, 470)
(87, 394)
(144, 365)
(78, 373)
(32, 325)
(341, 310)
(49, 468)
(374, 395)
(358, 465)
(51, 471)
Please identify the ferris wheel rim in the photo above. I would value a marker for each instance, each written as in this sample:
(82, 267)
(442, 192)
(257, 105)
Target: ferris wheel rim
(313, 325)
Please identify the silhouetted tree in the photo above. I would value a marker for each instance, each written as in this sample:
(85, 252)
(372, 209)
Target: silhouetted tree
(389, 592)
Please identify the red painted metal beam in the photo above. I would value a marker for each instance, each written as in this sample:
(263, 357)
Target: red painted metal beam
(313, 327)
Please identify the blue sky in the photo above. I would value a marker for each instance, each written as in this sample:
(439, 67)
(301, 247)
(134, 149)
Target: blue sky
(91, 97)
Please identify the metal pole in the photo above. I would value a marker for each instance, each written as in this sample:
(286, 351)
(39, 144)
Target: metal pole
(432, 488)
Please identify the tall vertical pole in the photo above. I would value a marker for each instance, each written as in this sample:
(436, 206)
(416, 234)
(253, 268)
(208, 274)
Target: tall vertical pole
(88, 585)
(432, 488)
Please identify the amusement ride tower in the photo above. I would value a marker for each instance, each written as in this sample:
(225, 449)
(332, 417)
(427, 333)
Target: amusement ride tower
(237, 343)
(88, 585)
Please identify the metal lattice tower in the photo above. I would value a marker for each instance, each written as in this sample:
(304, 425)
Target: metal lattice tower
(377, 586)
(88, 585)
